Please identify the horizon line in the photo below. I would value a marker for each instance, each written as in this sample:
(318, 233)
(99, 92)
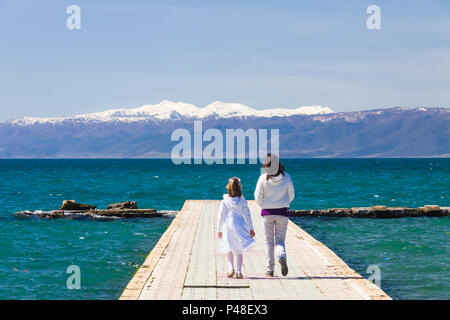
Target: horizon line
(192, 158)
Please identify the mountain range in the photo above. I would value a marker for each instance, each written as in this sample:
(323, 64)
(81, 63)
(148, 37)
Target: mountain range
(168, 110)
(312, 131)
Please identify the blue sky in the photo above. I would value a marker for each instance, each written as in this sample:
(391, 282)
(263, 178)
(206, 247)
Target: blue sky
(260, 53)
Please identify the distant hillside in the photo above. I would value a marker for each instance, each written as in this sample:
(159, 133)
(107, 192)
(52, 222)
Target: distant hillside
(304, 132)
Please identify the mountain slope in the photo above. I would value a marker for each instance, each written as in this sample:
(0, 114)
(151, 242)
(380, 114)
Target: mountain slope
(395, 132)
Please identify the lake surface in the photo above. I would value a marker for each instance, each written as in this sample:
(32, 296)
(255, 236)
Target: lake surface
(412, 253)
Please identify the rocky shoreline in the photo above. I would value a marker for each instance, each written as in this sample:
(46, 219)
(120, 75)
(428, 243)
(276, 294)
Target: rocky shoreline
(126, 213)
(129, 209)
(70, 208)
(376, 212)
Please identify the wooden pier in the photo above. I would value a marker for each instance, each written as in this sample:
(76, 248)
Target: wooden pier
(186, 264)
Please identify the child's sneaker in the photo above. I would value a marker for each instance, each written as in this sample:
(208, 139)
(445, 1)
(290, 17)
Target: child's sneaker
(284, 267)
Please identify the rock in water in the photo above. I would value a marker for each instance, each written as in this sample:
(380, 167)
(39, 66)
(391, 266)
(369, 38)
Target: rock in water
(72, 205)
(123, 205)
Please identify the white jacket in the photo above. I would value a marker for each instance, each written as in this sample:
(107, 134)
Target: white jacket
(277, 192)
(235, 205)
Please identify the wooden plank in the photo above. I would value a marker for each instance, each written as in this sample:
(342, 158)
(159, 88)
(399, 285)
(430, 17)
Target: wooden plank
(293, 286)
(169, 274)
(200, 282)
(136, 284)
(186, 264)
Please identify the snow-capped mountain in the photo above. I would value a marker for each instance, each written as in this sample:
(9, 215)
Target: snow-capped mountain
(179, 110)
(304, 132)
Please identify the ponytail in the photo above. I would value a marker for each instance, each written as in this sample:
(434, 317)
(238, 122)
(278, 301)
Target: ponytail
(272, 166)
(234, 187)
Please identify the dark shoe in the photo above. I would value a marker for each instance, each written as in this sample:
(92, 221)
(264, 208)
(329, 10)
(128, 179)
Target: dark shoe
(230, 274)
(269, 273)
(238, 275)
(284, 267)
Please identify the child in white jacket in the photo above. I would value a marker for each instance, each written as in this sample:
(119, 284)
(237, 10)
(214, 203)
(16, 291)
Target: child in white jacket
(235, 227)
(274, 192)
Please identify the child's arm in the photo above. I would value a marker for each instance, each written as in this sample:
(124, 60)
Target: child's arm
(221, 218)
(291, 190)
(246, 214)
(259, 191)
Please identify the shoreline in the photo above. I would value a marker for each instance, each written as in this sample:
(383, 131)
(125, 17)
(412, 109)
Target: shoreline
(375, 212)
(382, 212)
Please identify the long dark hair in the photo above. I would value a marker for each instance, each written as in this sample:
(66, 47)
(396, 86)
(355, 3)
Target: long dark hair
(272, 166)
(234, 187)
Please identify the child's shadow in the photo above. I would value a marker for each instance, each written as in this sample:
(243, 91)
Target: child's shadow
(263, 277)
(298, 278)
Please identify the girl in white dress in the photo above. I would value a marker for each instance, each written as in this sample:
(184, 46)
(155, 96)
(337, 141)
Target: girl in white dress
(235, 227)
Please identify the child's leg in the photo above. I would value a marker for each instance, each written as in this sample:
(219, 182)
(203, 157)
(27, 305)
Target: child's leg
(268, 222)
(230, 260)
(281, 224)
(240, 260)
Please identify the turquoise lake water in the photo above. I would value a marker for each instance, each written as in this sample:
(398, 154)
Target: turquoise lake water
(413, 254)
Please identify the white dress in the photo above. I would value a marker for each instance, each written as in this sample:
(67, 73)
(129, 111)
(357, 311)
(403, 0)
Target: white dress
(235, 223)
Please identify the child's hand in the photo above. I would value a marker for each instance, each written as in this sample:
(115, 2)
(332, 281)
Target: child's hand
(219, 235)
(252, 233)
